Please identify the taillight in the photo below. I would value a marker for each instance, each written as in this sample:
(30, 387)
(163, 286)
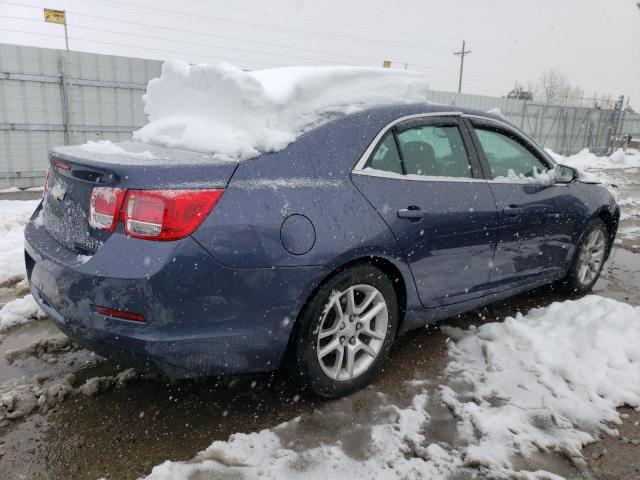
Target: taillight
(62, 165)
(166, 214)
(104, 207)
(46, 183)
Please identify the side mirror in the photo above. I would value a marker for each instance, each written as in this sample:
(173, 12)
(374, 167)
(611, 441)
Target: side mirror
(565, 174)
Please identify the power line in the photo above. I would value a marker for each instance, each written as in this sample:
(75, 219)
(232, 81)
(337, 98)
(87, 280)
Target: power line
(428, 68)
(238, 60)
(297, 31)
(212, 35)
(432, 71)
(212, 19)
(153, 37)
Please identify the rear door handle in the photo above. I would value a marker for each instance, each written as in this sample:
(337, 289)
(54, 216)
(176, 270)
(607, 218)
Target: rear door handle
(512, 211)
(412, 213)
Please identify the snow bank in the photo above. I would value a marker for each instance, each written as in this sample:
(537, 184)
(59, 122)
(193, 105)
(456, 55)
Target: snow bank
(105, 147)
(14, 215)
(585, 160)
(237, 114)
(546, 381)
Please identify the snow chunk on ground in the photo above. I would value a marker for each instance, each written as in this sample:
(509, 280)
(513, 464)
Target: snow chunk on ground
(546, 381)
(237, 114)
(19, 311)
(105, 147)
(14, 216)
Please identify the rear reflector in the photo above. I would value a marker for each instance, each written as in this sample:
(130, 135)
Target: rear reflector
(167, 214)
(104, 206)
(110, 312)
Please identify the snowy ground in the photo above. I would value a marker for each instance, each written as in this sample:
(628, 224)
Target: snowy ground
(493, 399)
(548, 381)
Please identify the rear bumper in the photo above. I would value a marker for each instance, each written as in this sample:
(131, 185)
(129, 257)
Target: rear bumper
(201, 318)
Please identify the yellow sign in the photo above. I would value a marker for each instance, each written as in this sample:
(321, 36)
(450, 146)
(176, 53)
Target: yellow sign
(54, 16)
(386, 64)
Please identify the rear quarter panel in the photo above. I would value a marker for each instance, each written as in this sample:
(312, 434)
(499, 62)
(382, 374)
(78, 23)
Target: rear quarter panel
(312, 178)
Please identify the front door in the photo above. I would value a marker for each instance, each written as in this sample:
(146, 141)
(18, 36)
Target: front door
(536, 217)
(427, 186)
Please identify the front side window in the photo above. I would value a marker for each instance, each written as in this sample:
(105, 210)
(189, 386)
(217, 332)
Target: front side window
(507, 158)
(434, 150)
(386, 157)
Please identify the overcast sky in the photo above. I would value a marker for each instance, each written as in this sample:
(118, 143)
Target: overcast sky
(595, 43)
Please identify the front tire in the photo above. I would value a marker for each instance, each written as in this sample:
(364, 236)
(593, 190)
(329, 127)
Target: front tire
(588, 260)
(345, 332)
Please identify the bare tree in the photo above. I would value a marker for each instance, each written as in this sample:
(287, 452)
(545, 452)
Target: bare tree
(553, 87)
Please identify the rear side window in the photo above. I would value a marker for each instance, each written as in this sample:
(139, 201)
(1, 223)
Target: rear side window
(507, 158)
(386, 156)
(434, 150)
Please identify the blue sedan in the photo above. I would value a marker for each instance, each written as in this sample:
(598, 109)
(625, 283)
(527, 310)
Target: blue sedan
(314, 258)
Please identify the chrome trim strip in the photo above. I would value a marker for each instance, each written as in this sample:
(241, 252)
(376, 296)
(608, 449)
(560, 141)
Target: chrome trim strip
(372, 172)
(367, 153)
(506, 182)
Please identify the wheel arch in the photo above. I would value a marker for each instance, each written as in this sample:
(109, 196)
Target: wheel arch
(388, 266)
(610, 220)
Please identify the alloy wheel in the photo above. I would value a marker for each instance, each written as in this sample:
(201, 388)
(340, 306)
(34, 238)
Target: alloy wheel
(591, 257)
(352, 331)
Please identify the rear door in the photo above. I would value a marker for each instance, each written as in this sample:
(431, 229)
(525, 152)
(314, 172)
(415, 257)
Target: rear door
(426, 183)
(536, 217)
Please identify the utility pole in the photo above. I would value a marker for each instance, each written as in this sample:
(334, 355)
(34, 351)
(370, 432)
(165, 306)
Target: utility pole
(66, 34)
(461, 54)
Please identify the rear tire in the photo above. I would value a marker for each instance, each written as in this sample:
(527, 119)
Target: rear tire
(345, 332)
(588, 260)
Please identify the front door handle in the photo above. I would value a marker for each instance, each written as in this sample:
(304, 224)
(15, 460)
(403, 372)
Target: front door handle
(413, 213)
(512, 211)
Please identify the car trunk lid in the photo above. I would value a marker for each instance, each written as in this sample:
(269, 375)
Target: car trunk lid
(76, 170)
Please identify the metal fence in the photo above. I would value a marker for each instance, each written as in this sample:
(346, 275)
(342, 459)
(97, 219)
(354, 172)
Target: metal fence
(54, 97)
(564, 129)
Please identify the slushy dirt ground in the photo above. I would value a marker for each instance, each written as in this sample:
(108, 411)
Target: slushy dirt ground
(123, 432)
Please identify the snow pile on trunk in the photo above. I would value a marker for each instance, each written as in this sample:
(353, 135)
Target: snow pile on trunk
(237, 114)
(548, 381)
(15, 215)
(105, 147)
(585, 160)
